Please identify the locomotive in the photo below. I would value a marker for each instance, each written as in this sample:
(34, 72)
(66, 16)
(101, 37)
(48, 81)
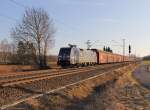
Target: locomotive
(73, 55)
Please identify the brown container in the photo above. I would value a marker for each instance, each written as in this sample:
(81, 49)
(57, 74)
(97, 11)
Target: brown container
(103, 57)
(106, 57)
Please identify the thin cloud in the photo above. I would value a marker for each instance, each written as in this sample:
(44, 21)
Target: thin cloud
(109, 20)
(106, 20)
(81, 2)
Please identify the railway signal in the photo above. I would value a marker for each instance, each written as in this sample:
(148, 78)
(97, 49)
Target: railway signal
(129, 50)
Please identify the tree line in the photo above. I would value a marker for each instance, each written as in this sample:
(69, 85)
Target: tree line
(31, 40)
(107, 49)
(146, 57)
(6, 52)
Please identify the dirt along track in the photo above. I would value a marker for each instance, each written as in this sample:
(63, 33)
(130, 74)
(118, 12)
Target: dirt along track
(18, 92)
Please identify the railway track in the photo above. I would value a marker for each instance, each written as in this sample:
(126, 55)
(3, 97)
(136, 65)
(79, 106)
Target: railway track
(8, 75)
(51, 71)
(87, 76)
(28, 78)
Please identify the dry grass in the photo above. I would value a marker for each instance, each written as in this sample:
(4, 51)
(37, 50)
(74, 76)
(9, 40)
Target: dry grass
(147, 62)
(52, 62)
(14, 68)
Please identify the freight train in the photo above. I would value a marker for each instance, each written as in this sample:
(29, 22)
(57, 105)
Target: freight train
(82, 57)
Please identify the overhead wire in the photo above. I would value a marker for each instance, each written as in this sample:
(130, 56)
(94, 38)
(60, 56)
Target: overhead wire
(58, 21)
(17, 3)
(8, 17)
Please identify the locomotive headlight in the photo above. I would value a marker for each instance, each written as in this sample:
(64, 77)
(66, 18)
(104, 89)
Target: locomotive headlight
(59, 57)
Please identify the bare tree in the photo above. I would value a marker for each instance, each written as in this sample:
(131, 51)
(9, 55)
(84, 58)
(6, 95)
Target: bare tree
(37, 28)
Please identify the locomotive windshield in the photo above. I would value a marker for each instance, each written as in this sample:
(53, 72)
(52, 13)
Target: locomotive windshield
(64, 51)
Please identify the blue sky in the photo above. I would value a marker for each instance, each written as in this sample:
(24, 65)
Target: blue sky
(79, 20)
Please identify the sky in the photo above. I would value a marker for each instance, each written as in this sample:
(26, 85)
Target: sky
(104, 22)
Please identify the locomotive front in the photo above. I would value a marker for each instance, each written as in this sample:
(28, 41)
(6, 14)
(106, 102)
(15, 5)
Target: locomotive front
(64, 56)
(68, 56)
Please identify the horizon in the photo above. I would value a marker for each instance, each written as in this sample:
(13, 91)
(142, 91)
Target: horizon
(78, 21)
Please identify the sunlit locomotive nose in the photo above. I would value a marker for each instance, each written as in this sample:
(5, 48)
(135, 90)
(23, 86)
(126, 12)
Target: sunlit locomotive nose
(64, 56)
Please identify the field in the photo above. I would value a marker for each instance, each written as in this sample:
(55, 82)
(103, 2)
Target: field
(14, 68)
(52, 63)
(147, 62)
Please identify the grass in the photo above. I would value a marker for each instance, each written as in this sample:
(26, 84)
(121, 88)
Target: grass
(14, 68)
(146, 62)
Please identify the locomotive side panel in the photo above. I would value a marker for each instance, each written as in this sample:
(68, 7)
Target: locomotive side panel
(87, 57)
(97, 55)
(81, 57)
(93, 57)
(74, 56)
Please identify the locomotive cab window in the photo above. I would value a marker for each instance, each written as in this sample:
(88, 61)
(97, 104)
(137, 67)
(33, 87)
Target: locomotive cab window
(65, 51)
